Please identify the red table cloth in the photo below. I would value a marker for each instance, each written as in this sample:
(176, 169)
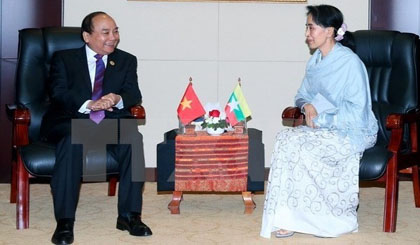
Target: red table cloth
(211, 163)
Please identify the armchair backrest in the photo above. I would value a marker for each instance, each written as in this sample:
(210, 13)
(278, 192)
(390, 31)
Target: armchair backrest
(36, 47)
(392, 60)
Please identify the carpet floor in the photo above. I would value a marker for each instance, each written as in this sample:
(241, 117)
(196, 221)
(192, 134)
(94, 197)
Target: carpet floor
(204, 219)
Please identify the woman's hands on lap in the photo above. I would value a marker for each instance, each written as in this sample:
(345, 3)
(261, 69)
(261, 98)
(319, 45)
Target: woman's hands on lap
(310, 114)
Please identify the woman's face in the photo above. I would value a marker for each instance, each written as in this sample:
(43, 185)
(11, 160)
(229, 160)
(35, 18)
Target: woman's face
(316, 36)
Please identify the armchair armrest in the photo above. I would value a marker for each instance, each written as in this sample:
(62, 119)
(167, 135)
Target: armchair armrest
(138, 112)
(20, 117)
(395, 122)
(292, 116)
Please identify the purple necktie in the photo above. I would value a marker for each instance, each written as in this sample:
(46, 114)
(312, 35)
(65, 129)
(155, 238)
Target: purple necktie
(97, 116)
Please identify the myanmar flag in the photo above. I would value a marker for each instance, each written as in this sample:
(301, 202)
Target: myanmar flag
(190, 106)
(237, 109)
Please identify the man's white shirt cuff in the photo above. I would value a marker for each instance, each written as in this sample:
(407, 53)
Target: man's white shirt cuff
(83, 109)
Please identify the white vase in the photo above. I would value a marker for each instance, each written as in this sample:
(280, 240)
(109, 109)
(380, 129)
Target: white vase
(215, 132)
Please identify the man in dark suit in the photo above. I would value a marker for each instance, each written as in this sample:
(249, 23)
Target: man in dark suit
(77, 77)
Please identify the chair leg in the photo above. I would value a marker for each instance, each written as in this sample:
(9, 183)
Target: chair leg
(391, 196)
(22, 204)
(416, 185)
(13, 183)
(112, 185)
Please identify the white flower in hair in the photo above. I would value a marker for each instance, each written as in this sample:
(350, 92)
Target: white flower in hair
(341, 32)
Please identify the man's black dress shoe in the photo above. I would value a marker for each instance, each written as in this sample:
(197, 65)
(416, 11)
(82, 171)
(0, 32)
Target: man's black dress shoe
(132, 223)
(63, 234)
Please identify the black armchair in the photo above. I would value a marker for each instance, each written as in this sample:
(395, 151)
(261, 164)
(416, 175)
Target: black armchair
(392, 60)
(32, 157)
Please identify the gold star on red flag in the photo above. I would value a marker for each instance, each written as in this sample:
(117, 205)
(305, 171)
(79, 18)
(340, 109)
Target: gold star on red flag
(186, 103)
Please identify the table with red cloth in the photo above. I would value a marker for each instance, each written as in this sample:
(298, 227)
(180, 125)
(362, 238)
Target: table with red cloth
(205, 163)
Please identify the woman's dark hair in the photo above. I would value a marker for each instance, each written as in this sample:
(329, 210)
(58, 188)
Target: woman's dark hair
(330, 16)
(87, 25)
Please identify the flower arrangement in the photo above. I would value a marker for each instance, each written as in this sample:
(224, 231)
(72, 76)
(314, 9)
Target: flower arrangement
(212, 120)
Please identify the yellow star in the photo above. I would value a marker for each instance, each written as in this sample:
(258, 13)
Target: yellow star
(186, 103)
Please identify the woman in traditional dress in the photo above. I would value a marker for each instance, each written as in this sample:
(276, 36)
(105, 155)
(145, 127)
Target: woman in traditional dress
(313, 186)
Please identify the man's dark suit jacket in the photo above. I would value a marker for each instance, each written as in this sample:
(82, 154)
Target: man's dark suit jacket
(70, 86)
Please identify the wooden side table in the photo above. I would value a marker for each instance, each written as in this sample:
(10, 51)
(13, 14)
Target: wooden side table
(205, 163)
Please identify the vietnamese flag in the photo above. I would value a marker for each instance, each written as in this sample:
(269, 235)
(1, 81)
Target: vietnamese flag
(190, 106)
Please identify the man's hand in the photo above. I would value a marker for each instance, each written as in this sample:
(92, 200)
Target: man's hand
(310, 114)
(113, 98)
(106, 102)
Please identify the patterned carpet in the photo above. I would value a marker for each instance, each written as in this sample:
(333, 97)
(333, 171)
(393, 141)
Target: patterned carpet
(204, 219)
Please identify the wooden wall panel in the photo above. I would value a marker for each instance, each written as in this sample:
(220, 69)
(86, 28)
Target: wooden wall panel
(16, 15)
(399, 15)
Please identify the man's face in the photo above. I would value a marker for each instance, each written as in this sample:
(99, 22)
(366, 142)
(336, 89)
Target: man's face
(104, 37)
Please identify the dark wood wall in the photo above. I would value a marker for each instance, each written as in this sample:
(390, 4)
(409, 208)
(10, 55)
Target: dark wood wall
(16, 15)
(380, 18)
(398, 15)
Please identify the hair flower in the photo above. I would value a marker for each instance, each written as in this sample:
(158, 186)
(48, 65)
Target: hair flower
(340, 32)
